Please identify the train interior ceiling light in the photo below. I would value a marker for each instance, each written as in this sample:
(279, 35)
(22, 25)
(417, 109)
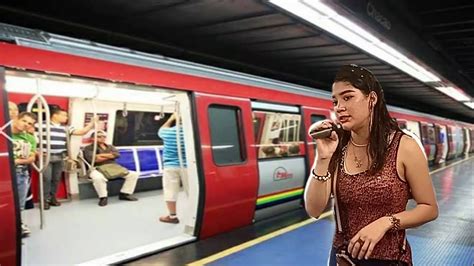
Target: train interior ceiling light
(77, 88)
(326, 18)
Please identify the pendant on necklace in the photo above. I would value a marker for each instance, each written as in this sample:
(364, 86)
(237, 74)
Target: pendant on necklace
(358, 162)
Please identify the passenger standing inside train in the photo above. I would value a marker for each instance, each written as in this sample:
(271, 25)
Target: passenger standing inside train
(24, 148)
(105, 155)
(12, 110)
(375, 168)
(173, 171)
(58, 152)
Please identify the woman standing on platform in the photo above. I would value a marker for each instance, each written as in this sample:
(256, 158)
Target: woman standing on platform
(372, 168)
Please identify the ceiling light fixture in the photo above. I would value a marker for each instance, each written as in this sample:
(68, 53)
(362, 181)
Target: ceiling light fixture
(454, 93)
(328, 19)
(470, 104)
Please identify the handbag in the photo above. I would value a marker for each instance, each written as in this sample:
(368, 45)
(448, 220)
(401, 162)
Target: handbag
(112, 170)
(70, 165)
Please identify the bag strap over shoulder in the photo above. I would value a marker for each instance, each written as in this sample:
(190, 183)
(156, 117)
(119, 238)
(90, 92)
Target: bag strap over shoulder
(334, 192)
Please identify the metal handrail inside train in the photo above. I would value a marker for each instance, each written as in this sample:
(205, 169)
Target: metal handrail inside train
(44, 157)
(94, 151)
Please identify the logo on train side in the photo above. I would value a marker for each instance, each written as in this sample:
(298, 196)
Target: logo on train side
(281, 174)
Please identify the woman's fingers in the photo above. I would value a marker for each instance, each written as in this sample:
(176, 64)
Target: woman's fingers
(355, 249)
(369, 250)
(352, 243)
(363, 249)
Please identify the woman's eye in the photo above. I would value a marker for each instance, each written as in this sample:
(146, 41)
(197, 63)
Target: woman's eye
(334, 103)
(346, 98)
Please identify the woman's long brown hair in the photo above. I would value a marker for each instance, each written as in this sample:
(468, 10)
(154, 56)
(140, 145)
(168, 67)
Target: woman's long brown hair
(382, 123)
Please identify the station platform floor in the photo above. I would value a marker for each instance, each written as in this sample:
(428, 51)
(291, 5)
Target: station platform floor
(295, 239)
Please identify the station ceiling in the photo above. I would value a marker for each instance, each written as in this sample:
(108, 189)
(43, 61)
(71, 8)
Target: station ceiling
(255, 37)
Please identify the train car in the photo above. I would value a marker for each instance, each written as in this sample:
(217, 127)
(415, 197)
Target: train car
(247, 153)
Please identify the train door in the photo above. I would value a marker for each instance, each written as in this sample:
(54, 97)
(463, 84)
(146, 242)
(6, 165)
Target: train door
(229, 165)
(451, 142)
(471, 134)
(428, 140)
(414, 127)
(10, 216)
(442, 143)
(281, 158)
(459, 140)
(467, 141)
(312, 115)
(82, 231)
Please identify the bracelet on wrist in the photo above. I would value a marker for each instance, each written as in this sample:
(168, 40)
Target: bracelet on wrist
(395, 223)
(321, 177)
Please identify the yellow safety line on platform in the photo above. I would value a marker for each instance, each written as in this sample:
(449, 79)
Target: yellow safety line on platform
(248, 244)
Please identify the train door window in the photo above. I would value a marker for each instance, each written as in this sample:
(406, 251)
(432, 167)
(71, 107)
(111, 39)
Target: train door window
(277, 134)
(226, 136)
(424, 133)
(316, 118)
(431, 134)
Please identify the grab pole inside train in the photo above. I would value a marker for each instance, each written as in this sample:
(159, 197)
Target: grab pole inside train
(44, 157)
(178, 135)
(94, 115)
(5, 134)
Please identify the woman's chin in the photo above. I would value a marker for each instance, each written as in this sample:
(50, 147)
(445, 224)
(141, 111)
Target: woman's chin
(346, 126)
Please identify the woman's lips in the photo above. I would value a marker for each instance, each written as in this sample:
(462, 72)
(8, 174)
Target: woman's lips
(344, 118)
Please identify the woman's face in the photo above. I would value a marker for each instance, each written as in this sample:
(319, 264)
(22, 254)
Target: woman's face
(351, 106)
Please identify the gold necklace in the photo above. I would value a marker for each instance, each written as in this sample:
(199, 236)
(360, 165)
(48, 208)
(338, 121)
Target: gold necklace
(358, 145)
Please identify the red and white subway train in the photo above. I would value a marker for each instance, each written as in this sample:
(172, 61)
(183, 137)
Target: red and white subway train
(247, 152)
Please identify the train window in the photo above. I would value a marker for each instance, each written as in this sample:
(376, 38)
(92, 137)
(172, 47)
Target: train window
(138, 128)
(402, 124)
(225, 124)
(316, 118)
(277, 134)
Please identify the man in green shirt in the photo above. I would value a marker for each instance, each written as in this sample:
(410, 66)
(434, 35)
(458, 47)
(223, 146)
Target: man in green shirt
(24, 149)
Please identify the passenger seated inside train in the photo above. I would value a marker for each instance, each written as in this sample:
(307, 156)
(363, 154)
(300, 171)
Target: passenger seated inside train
(105, 169)
(269, 152)
(281, 150)
(294, 149)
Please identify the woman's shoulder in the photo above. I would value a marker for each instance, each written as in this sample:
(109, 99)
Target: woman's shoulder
(410, 145)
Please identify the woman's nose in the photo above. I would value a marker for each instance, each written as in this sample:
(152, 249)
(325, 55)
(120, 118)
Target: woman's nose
(340, 108)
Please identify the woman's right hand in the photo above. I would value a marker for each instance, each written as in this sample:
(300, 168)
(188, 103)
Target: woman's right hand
(326, 146)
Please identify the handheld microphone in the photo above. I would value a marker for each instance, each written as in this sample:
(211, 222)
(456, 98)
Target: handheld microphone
(324, 133)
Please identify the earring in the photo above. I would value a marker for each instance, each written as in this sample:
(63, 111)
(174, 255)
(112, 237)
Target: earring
(371, 114)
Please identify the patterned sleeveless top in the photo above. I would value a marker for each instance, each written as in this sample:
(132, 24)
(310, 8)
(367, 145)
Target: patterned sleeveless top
(363, 198)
